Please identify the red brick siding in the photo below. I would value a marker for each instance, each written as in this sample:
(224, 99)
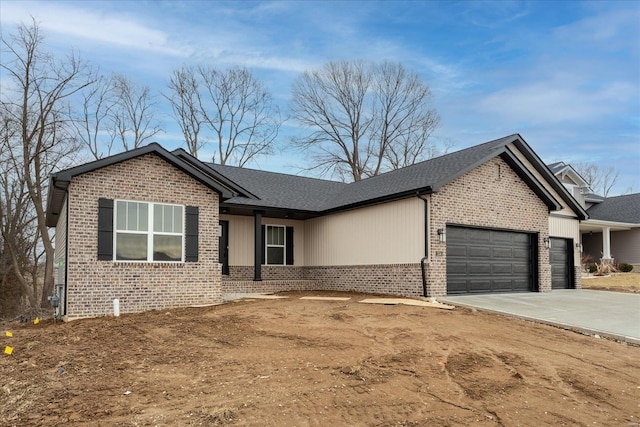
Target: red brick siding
(92, 284)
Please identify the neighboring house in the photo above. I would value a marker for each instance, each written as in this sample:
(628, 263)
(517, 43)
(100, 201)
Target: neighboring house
(612, 231)
(158, 229)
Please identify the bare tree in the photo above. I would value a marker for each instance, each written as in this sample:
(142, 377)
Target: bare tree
(35, 102)
(93, 124)
(232, 105)
(133, 116)
(117, 114)
(601, 180)
(364, 118)
(185, 104)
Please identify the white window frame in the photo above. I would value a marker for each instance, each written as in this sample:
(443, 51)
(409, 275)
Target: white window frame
(267, 245)
(150, 233)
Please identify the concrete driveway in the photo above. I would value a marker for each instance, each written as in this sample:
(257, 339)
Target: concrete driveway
(611, 314)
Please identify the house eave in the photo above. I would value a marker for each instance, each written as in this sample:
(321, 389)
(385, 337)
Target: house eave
(546, 173)
(599, 224)
(60, 181)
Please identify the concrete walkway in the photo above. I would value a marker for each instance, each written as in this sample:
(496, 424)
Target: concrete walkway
(611, 314)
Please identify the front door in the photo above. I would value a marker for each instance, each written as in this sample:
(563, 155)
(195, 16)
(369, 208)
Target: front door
(224, 247)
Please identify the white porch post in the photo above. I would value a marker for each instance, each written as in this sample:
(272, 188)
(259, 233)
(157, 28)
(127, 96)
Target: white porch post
(606, 243)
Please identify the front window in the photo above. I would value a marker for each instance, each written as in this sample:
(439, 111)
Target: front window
(275, 244)
(136, 241)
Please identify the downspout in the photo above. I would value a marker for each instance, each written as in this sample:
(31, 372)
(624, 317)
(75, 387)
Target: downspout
(426, 244)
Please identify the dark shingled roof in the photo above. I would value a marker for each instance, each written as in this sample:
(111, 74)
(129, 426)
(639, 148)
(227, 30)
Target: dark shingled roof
(278, 190)
(311, 194)
(318, 196)
(429, 175)
(619, 209)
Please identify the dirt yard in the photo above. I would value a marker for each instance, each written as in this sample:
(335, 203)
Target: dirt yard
(293, 362)
(620, 282)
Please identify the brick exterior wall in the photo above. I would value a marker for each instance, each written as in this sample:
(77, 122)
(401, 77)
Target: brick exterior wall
(268, 272)
(392, 279)
(491, 195)
(268, 286)
(92, 284)
(577, 277)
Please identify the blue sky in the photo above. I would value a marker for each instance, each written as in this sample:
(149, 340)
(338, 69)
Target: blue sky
(565, 75)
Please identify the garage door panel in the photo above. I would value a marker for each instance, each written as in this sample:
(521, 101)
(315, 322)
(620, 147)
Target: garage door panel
(478, 268)
(504, 253)
(457, 286)
(479, 285)
(479, 252)
(459, 251)
(521, 268)
(458, 268)
(484, 261)
(501, 269)
(502, 285)
(477, 236)
(522, 254)
(502, 237)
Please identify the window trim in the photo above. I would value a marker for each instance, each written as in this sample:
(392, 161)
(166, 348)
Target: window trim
(267, 245)
(150, 233)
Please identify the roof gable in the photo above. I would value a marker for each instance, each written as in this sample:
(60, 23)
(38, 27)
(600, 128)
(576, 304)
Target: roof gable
(565, 171)
(60, 180)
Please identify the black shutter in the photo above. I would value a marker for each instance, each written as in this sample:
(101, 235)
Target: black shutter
(191, 234)
(289, 246)
(105, 229)
(264, 235)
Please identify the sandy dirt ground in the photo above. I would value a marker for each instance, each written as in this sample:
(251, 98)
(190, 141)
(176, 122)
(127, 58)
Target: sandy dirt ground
(293, 362)
(620, 282)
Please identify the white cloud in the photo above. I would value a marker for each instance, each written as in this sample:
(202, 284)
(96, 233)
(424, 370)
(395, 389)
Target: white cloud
(611, 26)
(553, 103)
(95, 25)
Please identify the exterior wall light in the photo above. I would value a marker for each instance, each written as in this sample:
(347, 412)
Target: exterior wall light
(579, 246)
(442, 235)
(547, 242)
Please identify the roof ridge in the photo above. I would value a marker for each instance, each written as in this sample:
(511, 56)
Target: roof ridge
(443, 156)
(214, 165)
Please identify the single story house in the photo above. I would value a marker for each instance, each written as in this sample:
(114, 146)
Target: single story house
(612, 231)
(159, 229)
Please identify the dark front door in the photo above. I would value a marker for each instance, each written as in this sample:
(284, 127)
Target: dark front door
(485, 261)
(561, 260)
(224, 246)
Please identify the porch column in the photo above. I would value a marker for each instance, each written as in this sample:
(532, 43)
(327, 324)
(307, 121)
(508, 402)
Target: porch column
(606, 243)
(258, 245)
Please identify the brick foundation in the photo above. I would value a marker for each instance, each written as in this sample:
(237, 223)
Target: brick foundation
(392, 279)
(267, 286)
(269, 272)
